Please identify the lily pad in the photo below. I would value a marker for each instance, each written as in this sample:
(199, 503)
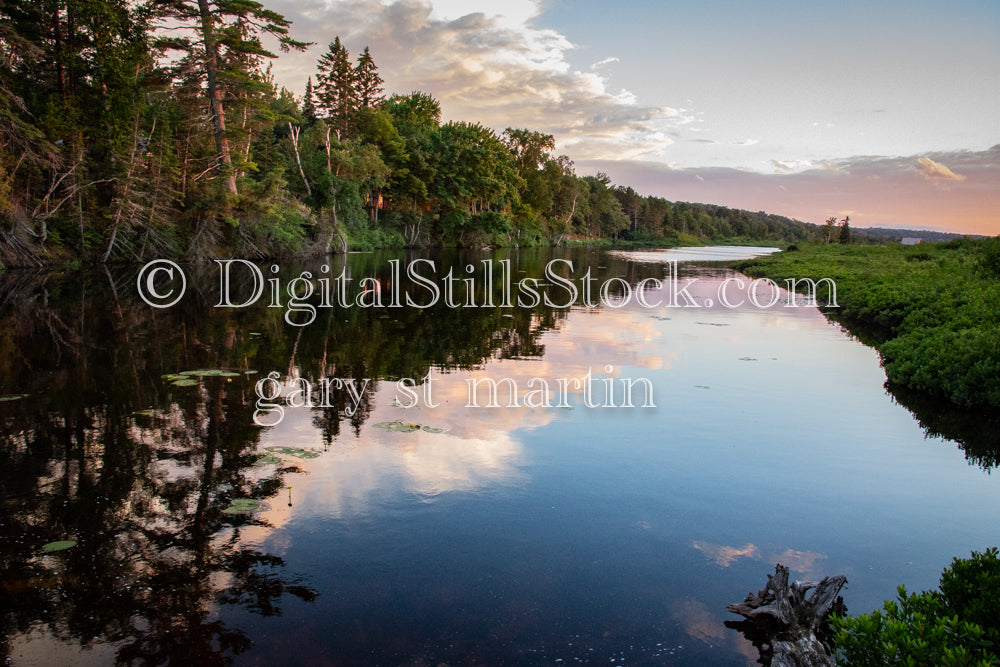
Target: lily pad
(145, 413)
(398, 426)
(431, 429)
(185, 382)
(241, 506)
(12, 397)
(294, 451)
(204, 372)
(60, 545)
(266, 459)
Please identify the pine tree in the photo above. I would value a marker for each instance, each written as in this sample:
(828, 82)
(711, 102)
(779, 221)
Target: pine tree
(368, 83)
(845, 230)
(309, 103)
(227, 31)
(335, 87)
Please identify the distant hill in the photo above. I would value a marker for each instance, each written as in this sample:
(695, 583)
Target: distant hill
(925, 235)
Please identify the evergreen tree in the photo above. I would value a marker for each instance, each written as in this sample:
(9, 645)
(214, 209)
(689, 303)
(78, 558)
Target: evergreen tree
(335, 87)
(368, 83)
(227, 30)
(845, 230)
(309, 103)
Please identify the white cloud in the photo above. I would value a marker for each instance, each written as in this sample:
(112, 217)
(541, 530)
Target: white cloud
(485, 65)
(606, 61)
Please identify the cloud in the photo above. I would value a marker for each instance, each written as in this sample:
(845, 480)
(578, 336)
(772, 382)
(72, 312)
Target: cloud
(829, 166)
(885, 191)
(936, 171)
(725, 556)
(606, 61)
(698, 621)
(797, 561)
(497, 69)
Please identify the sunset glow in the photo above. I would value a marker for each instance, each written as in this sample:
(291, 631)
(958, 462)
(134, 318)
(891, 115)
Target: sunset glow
(887, 112)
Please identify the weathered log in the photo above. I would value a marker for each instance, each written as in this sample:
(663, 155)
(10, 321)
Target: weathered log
(789, 629)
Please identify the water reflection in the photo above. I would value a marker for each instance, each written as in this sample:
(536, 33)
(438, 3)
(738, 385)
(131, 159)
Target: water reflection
(801, 562)
(490, 534)
(976, 433)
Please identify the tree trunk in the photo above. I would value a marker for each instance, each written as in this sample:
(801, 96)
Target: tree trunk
(215, 94)
(785, 626)
(326, 143)
(294, 131)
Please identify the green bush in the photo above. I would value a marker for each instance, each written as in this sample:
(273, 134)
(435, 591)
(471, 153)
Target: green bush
(989, 258)
(955, 625)
(971, 587)
(932, 313)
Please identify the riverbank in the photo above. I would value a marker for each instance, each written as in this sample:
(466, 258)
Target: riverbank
(932, 310)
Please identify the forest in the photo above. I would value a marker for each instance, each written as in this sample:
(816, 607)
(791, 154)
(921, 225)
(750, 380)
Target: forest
(155, 128)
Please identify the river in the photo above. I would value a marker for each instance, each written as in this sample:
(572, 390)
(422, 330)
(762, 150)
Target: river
(642, 462)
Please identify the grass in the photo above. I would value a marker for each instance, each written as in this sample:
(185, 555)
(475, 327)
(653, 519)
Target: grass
(932, 310)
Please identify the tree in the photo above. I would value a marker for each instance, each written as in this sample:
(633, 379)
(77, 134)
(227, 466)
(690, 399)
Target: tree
(414, 114)
(474, 170)
(531, 149)
(226, 30)
(368, 83)
(831, 222)
(532, 154)
(309, 103)
(335, 87)
(845, 230)
(416, 118)
(603, 216)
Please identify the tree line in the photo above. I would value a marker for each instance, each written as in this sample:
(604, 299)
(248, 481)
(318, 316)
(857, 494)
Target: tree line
(129, 129)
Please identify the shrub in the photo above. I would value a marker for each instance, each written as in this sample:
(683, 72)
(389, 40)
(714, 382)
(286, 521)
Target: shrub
(971, 586)
(989, 258)
(955, 625)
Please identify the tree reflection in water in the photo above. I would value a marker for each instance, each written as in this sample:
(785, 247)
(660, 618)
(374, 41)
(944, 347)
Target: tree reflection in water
(104, 450)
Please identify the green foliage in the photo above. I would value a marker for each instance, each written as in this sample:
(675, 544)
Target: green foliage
(989, 258)
(958, 624)
(913, 630)
(845, 231)
(491, 222)
(970, 587)
(929, 310)
(364, 237)
(368, 82)
(414, 114)
(473, 168)
(335, 89)
(275, 223)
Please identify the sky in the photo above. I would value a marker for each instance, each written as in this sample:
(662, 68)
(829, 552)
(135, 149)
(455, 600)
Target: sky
(884, 110)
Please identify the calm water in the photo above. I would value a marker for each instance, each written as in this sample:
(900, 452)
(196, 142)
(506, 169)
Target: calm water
(380, 534)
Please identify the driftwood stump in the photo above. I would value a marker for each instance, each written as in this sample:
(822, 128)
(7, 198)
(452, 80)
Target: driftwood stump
(787, 628)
